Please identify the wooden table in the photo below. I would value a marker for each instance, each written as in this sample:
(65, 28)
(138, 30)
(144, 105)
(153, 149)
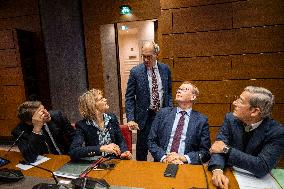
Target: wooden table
(132, 173)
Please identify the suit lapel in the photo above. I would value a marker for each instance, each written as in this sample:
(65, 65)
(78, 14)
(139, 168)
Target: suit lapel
(144, 80)
(191, 127)
(170, 123)
(162, 75)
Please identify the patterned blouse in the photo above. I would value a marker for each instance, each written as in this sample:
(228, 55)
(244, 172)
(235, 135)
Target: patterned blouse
(103, 133)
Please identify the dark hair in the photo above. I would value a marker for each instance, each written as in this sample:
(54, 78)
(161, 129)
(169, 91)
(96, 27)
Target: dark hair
(26, 110)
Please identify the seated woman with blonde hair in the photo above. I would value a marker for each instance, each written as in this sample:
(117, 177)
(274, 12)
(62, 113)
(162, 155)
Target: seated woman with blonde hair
(98, 133)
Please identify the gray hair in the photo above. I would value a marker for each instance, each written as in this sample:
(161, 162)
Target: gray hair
(261, 98)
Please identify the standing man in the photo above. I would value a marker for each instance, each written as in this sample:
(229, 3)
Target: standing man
(42, 132)
(249, 138)
(179, 134)
(149, 88)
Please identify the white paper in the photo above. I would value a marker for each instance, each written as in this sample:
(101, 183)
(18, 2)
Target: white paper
(246, 180)
(40, 159)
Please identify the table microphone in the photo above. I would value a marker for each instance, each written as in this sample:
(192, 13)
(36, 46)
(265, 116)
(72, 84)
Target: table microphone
(206, 178)
(45, 185)
(3, 160)
(14, 143)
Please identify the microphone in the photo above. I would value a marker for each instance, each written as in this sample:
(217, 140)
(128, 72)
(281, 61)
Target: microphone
(206, 178)
(27, 163)
(14, 143)
(45, 185)
(3, 160)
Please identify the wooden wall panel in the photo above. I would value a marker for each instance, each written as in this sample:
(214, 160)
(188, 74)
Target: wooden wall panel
(8, 58)
(202, 18)
(167, 4)
(18, 8)
(276, 86)
(202, 44)
(6, 125)
(165, 21)
(265, 65)
(213, 133)
(8, 111)
(167, 46)
(14, 94)
(278, 112)
(170, 63)
(257, 13)
(28, 23)
(259, 39)
(202, 68)
(6, 39)
(11, 76)
(214, 112)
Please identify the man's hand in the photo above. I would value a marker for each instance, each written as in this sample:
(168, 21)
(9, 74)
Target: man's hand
(111, 149)
(175, 158)
(126, 155)
(38, 119)
(220, 180)
(217, 147)
(132, 125)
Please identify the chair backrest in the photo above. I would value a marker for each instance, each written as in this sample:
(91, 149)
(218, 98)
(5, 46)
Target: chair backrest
(127, 134)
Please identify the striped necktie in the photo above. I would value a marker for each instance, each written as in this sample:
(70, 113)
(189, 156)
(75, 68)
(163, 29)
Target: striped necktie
(52, 139)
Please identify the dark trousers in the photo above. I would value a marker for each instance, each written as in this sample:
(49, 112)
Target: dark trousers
(142, 138)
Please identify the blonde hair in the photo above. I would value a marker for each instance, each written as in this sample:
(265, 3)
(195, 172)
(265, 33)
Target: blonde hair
(87, 103)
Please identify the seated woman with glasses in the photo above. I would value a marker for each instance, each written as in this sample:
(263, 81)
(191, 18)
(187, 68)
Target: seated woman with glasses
(98, 133)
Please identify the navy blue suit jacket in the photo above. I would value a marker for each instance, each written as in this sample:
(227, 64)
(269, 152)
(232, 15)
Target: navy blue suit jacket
(197, 136)
(137, 97)
(86, 140)
(262, 152)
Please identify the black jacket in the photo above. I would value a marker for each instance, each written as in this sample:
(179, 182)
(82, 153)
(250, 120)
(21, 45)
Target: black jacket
(31, 145)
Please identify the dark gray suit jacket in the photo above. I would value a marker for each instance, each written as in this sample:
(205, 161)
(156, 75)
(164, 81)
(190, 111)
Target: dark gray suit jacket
(197, 136)
(137, 97)
(262, 151)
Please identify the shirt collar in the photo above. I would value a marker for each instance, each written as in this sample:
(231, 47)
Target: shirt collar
(93, 122)
(188, 111)
(255, 125)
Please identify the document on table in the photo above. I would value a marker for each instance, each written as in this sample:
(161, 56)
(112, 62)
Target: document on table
(246, 180)
(40, 159)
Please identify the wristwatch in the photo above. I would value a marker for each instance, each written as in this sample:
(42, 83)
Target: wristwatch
(226, 149)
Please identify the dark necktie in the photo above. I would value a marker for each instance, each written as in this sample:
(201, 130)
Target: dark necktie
(155, 94)
(177, 136)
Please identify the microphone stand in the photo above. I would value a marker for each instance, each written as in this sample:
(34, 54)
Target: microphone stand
(206, 178)
(53, 176)
(14, 143)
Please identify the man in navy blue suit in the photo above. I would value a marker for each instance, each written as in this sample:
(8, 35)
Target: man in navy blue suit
(149, 88)
(249, 139)
(179, 134)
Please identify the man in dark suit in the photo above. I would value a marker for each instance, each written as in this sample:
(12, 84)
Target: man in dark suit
(249, 139)
(179, 134)
(149, 88)
(41, 132)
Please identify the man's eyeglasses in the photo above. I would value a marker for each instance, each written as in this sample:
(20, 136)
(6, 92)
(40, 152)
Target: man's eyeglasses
(182, 89)
(148, 57)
